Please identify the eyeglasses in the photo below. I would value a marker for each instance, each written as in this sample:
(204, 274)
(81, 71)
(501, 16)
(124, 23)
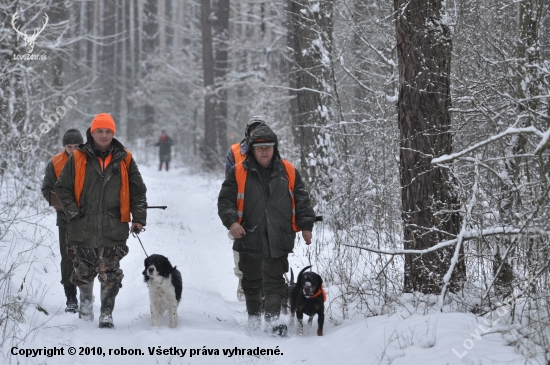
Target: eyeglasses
(263, 148)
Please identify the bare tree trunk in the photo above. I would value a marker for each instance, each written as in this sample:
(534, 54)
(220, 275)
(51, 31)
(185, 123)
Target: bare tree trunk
(312, 47)
(221, 67)
(161, 19)
(291, 71)
(529, 87)
(83, 56)
(430, 209)
(123, 122)
(210, 134)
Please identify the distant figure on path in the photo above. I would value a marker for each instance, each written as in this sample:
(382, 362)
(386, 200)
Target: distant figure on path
(165, 151)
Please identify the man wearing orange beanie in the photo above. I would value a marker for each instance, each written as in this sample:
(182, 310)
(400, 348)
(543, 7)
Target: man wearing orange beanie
(101, 191)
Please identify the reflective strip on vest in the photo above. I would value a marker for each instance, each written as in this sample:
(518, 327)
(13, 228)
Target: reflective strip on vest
(241, 174)
(237, 155)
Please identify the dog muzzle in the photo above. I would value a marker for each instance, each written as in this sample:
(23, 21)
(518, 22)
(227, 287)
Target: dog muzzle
(307, 289)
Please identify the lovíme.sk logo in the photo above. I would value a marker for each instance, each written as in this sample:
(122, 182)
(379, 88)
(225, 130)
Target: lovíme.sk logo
(29, 39)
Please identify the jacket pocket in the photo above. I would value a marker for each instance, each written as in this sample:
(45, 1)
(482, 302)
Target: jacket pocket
(117, 230)
(76, 229)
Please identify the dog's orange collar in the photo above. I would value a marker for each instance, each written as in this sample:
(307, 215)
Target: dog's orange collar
(321, 290)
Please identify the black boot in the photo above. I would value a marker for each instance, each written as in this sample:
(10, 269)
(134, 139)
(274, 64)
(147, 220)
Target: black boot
(272, 313)
(253, 307)
(108, 295)
(72, 302)
(86, 311)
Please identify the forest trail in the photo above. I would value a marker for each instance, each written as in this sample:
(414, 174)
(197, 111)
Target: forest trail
(211, 318)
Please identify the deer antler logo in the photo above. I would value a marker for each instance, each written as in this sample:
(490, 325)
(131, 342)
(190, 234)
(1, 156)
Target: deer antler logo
(28, 39)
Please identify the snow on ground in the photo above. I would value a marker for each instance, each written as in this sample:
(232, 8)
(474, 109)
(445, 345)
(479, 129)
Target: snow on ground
(210, 316)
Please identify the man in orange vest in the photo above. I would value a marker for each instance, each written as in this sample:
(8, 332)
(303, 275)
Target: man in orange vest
(71, 140)
(237, 153)
(263, 202)
(101, 191)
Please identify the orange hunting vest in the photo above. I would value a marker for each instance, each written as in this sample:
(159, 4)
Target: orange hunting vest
(80, 176)
(59, 161)
(237, 155)
(240, 176)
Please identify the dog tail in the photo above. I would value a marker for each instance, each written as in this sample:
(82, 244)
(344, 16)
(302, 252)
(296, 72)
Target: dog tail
(299, 280)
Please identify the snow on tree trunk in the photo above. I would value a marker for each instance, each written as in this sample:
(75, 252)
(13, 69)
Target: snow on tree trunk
(311, 42)
(430, 208)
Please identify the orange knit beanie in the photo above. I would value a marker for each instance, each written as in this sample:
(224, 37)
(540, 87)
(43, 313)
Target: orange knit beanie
(103, 120)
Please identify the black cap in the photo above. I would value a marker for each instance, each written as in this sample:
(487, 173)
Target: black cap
(72, 136)
(263, 136)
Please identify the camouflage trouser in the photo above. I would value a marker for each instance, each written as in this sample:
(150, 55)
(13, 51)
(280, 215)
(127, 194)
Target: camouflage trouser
(66, 263)
(91, 262)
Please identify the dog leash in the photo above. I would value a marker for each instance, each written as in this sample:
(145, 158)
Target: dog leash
(136, 234)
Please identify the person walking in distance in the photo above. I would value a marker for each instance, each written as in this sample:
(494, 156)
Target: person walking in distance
(71, 140)
(263, 202)
(165, 150)
(102, 191)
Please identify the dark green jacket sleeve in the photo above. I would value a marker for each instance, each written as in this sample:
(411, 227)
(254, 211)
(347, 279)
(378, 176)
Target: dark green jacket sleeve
(227, 206)
(305, 216)
(64, 188)
(49, 181)
(138, 197)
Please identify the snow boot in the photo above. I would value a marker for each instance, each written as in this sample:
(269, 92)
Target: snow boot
(108, 295)
(272, 313)
(86, 311)
(72, 302)
(253, 307)
(240, 292)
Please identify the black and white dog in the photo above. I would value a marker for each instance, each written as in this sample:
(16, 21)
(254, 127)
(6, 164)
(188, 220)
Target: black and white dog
(165, 285)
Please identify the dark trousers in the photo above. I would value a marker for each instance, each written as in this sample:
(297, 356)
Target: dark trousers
(66, 263)
(167, 165)
(266, 271)
(91, 262)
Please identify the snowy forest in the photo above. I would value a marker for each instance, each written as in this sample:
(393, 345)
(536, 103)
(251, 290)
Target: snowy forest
(421, 129)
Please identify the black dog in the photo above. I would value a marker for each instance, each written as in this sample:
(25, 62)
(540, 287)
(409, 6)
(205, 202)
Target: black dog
(165, 286)
(308, 296)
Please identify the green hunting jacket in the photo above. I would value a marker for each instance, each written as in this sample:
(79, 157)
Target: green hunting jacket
(267, 218)
(97, 222)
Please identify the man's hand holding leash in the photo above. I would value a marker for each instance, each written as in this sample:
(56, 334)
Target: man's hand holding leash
(137, 227)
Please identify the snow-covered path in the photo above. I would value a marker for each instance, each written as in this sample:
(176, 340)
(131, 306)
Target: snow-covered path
(210, 317)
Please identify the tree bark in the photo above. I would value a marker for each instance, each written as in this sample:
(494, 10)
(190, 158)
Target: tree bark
(210, 134)
(311, 42)
(221, 68)
(430, 207)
